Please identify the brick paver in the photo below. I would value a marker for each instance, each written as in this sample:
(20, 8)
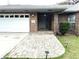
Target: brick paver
(34, 45)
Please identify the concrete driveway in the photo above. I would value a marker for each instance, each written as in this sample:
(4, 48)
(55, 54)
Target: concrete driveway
(8, 41)
(33, 45)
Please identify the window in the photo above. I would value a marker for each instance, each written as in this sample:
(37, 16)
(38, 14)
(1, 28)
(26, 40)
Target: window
(71, 18)
(16, 16)
(21, 16)
(71, 21)
(26, 16)
(1, 16)
(11, 16)
(7, 16)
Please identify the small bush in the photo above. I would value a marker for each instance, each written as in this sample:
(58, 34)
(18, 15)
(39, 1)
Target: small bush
(63, 28)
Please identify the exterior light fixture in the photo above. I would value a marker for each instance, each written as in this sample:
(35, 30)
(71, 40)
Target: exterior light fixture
(33, 15)
(47, 52)
(44, 14)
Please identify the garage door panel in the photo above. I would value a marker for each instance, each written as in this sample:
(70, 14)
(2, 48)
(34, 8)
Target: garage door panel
(24, 24)
(14, 24)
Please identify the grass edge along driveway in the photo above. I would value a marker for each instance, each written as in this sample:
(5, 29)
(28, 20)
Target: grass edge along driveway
(71, 44)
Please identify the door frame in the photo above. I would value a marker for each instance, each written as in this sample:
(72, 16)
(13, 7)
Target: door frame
(49, 24)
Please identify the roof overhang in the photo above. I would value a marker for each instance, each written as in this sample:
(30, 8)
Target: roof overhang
(72, 9)
(33, 8)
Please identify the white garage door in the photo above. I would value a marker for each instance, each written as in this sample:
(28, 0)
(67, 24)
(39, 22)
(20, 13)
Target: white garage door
(14, 23)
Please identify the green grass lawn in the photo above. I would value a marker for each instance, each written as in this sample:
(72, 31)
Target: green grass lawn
(71, 44)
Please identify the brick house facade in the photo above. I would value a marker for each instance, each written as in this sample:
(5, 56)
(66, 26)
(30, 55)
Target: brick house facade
(41, 18)
(56, 19)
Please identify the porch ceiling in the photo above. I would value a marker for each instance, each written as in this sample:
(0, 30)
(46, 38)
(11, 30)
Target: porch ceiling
(33, 8)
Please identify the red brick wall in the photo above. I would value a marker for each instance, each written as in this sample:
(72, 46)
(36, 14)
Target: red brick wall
(77, 23)
(33, 22)
(56, 24)
(63, 18)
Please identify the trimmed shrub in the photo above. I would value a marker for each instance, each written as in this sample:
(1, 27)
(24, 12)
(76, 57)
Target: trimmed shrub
(63, 28)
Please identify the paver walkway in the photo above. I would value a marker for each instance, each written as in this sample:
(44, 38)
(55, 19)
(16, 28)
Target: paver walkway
(34, 45)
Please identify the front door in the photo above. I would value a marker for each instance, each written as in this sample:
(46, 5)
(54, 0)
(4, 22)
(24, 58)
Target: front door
(44, 21)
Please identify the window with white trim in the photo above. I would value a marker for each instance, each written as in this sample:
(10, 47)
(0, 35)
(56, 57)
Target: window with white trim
(71, 19)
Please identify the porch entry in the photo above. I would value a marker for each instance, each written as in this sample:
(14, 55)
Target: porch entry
(44, 21)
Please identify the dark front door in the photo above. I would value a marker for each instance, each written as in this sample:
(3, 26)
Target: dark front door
(44, 21)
